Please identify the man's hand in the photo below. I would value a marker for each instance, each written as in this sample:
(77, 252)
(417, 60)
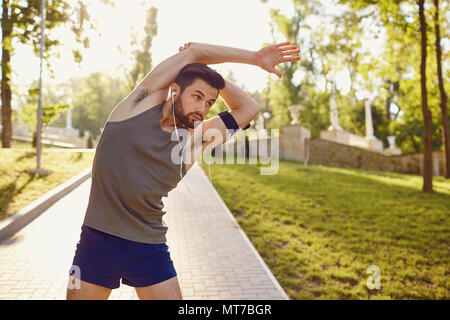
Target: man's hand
(272, 55)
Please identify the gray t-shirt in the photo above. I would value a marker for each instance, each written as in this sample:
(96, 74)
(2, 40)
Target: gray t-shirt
(132, 170)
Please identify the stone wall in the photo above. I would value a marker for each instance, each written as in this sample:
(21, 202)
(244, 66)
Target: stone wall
(326, 152)
(292, 143)
(336, 154)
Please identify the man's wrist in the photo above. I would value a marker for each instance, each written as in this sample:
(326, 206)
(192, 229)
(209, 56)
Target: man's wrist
(250, 58)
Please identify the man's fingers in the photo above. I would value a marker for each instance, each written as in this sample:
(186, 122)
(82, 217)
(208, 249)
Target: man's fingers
(289, 52)
(282, 44)
(290, 59)
(278, 73)
(289, 48)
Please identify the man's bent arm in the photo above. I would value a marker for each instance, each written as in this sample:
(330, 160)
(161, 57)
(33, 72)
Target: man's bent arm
(235, 97)
(242, 107)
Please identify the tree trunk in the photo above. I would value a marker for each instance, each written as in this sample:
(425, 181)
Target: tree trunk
(6, 76)
(427, 125)
(444, 116)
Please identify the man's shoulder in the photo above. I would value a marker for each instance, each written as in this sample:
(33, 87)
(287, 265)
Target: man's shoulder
(137, 102)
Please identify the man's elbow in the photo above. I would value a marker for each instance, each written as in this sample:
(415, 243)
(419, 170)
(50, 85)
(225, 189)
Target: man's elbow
(255, 110)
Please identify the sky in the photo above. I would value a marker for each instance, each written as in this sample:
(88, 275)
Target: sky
(234, 23)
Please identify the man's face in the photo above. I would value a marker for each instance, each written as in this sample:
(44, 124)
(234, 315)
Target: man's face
(195, 102)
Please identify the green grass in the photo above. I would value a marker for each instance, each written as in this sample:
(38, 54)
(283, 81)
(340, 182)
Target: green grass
(19, 188)
(319, 229)
(20, 144)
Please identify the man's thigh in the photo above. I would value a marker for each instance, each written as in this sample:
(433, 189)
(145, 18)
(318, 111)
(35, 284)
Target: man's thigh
(86, 291)
(166, 290)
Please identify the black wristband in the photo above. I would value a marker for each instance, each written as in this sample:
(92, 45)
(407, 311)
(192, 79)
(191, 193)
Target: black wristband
(229, 121)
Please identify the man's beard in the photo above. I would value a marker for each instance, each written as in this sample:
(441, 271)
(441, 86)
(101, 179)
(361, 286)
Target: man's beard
(185, 120)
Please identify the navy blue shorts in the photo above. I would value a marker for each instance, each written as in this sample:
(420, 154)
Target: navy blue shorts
(103, 259)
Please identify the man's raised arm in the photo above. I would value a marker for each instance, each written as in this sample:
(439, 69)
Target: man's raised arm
(266, 58)
(160, 77)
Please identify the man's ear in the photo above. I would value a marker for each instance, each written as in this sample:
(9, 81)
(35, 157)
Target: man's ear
(175, 88)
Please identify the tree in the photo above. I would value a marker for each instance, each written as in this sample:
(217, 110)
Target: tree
(94, 97)
(286, 91)
(427, 125)
(21, 22)
(90, 141)
(324, 49)
(142, 55)
(28, 113)
(400, 57)
(443, 104)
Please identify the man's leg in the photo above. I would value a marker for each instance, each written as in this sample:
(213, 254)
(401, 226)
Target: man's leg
(166, 290)
(86, 291)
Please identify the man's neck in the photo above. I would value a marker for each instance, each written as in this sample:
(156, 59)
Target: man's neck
(166, 120)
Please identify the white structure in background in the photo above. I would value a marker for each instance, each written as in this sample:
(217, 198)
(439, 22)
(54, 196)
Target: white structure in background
(63, 137)
(294, 136)
(295, 110)
(336, 134)
(392, 150)
(63, 133)
(259, 122)
(69, 119)
(374, 143)
(69, 130)
(334, 115)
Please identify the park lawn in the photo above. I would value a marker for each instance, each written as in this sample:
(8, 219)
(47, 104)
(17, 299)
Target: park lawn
(319, 229)
(19, 188)
(21, 144)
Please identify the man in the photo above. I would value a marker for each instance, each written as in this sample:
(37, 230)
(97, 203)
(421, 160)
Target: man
(123, 235)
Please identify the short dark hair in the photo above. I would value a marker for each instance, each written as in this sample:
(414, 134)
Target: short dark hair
(192, 71)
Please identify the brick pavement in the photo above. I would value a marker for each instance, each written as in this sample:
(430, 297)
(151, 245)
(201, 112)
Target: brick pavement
(213, 257)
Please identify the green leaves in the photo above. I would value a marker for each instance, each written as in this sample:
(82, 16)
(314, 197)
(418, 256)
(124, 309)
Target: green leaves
(142, 55)
(28, 114)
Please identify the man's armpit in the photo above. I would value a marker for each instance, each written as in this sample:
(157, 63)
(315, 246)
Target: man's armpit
(142, 94)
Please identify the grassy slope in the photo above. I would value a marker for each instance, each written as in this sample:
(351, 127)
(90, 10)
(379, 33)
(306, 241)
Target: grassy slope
(19, 188)
(319, 229)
